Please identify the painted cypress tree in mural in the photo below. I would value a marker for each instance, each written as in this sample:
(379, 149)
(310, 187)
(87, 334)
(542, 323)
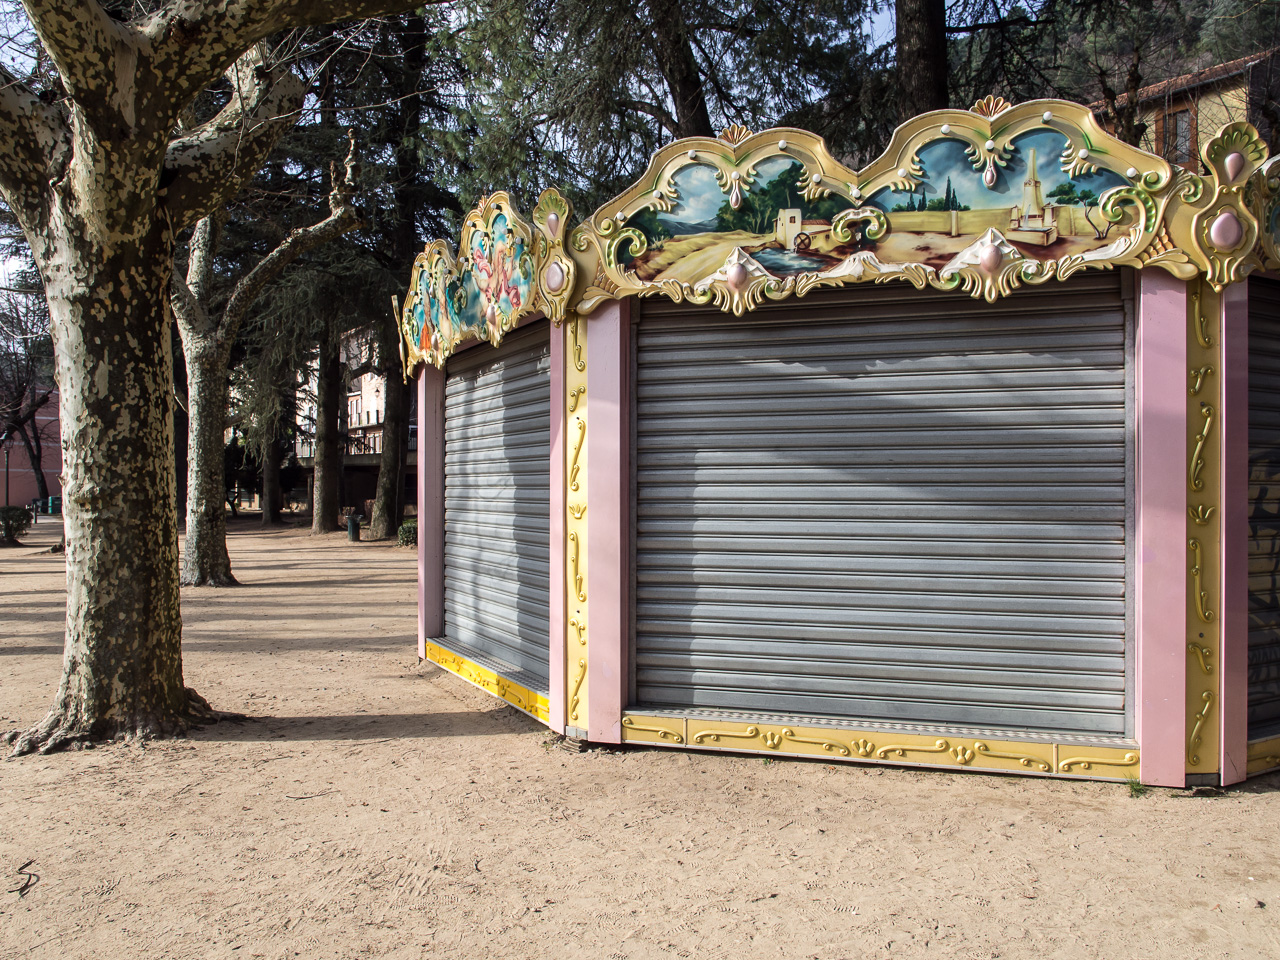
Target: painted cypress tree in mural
(101, 180)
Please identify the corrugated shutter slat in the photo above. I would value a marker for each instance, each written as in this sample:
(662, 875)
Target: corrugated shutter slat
(908, 507)
(1264, 507)
(497, 506)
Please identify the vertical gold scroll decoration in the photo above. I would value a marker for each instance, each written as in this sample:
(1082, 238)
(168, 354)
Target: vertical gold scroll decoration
(1203, 637)
(1197, 580)
(1197, 455)
(576, 498)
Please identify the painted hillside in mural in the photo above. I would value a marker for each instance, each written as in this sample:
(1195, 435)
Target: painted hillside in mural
(1030, 201)
(774, 223)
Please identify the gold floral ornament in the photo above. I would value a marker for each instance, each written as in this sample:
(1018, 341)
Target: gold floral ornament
(1225, 231)
(557, 271)
(990, 106)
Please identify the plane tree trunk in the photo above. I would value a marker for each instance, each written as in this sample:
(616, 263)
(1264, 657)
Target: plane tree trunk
(100, 184)
(207, 342)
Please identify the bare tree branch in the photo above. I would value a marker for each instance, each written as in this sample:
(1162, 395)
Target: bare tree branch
(208, 166)
(194, 41)
(342, 218)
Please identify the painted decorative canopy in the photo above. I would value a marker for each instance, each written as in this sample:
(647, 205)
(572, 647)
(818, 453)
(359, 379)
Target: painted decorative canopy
(983, 200)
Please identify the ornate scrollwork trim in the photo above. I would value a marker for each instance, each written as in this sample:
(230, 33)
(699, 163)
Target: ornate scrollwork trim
(661, 732)
(1194, 739)
(528, 701)
(1201, 595)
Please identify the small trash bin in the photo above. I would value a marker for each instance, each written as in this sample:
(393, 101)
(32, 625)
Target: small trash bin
(353, 526)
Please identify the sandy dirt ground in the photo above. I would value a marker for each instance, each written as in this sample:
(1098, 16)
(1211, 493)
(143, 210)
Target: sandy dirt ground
(375, 807)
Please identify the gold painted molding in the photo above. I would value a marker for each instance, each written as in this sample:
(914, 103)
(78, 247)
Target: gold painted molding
(528, 701)
(853, 745)
(1263, 756)
(1139, 210)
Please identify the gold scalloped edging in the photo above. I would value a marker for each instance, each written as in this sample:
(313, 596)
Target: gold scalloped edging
(1044, 759)
(1219, 226)
(1263, 756)
(528, 701)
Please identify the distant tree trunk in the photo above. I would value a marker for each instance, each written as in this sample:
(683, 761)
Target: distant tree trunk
(1121, 109)
(680, 70)
(388, 505)
(327, 462)
(181, 424)
(205, 560)
(922, 56)
(35, 454)
(271, 493)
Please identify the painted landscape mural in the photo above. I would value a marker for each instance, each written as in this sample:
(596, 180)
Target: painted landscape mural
(785, 233)
(1031, 202)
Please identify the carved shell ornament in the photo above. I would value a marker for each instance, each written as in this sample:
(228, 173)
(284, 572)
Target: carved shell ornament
(986, 200)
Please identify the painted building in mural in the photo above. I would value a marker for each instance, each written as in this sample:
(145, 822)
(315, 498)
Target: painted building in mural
(965, 459)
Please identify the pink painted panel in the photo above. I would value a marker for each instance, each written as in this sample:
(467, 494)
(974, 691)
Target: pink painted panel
(1161, 358)
(609, 517)
(430, 505)
(1234, 624)
(557, 668)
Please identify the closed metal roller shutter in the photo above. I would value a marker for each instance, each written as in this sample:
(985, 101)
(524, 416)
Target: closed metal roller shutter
(887, 505)
(1264, 508)
(497, 449)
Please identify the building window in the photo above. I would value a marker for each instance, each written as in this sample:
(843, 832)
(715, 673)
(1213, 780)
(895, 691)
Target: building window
(1178, 143)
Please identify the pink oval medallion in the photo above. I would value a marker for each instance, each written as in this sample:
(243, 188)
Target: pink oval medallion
(990, 257)
(1233, 163)
(554, 276)
(553, 223)
(736, 276)
(1226, 232)
(989, 175)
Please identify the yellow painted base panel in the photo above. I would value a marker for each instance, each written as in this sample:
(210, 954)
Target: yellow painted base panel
(1043, 759)
(531, 702)
(1264, 756)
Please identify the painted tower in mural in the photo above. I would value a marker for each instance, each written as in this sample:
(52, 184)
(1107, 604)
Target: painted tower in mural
(1032, 221)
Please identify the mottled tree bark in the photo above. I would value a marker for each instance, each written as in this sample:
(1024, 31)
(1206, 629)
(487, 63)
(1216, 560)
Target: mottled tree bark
(327, 461)
(921, 42)
(205, 560)
(100, 186)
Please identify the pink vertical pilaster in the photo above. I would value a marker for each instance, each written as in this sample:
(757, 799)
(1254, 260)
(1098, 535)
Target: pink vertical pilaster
(608, 517)
(1161, 575)
(556, 614)
(430, 505)
(1234, 519)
